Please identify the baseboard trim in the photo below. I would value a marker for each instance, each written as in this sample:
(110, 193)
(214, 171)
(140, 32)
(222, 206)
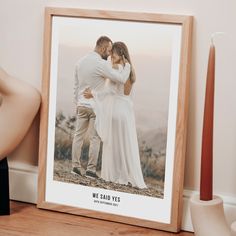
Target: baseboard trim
(24, 181)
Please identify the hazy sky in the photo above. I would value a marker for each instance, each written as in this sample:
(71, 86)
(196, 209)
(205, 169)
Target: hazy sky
(149, 38)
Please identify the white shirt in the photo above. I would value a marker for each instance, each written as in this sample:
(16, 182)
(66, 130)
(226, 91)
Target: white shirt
(91, 71)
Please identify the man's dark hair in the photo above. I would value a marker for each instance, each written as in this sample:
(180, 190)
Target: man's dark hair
(103, 39)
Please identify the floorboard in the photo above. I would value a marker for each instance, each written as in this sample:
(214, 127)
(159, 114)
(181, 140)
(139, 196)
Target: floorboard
(27, 220)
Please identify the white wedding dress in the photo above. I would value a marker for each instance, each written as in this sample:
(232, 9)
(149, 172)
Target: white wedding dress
(115, 124)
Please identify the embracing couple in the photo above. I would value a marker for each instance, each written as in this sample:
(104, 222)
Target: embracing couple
(103, 91)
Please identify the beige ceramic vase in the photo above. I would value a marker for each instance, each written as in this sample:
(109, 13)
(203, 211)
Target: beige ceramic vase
(208, 217)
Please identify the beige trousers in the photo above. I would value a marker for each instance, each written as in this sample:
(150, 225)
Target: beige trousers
(85, 121)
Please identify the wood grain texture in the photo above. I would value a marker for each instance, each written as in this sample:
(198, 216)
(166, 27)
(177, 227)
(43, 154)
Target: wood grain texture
(27, 220)
(117, 15)
(44, 109)
(181, 123)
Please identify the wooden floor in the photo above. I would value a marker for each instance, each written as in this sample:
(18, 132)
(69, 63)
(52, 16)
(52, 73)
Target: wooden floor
(26, 219)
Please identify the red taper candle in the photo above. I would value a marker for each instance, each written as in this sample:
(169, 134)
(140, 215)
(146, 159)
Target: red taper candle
(207, 133)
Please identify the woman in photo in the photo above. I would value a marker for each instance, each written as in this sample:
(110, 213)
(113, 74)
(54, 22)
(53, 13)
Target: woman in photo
(115, 124)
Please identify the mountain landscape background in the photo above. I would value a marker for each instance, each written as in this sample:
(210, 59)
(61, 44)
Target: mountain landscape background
(150, 91)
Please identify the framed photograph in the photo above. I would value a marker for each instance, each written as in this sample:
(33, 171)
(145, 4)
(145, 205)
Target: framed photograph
(114, 115)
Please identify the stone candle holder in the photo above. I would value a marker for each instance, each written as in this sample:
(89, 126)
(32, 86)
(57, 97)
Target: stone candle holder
(208, 217)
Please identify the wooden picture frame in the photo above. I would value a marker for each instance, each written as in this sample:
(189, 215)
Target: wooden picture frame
(160, 31)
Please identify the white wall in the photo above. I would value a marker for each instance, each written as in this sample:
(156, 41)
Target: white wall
(21, 44)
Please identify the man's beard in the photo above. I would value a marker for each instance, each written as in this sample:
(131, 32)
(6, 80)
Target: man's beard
(104, 57)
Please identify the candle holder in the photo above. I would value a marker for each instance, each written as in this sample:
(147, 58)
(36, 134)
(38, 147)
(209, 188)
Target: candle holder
(207, 211)
(208, 217)
(4, 191)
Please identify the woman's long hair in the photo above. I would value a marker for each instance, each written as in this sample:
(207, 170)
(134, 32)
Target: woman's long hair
(121, 49)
